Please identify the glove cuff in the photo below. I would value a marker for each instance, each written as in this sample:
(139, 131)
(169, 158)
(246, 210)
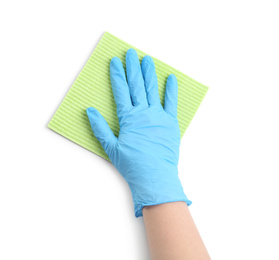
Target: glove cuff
(161, 187)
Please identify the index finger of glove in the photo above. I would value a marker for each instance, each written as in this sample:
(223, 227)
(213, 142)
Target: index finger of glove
(119, 86)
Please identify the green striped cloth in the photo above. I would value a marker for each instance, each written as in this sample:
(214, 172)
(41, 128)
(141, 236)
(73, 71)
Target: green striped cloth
(92, 88)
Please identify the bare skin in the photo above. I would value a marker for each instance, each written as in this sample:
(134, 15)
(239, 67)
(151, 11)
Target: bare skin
(172, 233)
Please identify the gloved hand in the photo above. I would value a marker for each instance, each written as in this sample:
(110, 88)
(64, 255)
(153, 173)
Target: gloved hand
(146, 151)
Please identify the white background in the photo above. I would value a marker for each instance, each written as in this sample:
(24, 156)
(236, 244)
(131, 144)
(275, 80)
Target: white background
(59, 201)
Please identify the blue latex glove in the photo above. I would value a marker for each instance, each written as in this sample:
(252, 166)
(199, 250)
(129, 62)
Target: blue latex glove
(146, 151)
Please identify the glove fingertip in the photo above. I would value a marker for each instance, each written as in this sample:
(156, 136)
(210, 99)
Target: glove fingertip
(145, 63)
(172, 79)
(146, 59)
(89, 110)
(92, 112)
(131, 51)
(115, 61)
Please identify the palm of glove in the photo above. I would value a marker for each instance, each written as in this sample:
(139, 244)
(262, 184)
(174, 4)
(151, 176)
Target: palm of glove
(149, 138)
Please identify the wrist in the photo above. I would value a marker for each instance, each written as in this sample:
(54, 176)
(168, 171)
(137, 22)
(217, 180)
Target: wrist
(155, 188)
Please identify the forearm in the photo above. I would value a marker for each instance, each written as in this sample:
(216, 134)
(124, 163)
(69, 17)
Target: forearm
(172, 234)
